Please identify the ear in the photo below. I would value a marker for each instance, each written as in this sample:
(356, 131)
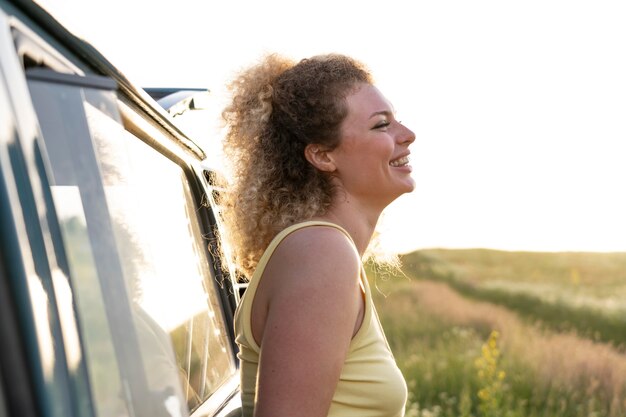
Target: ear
(319, 157)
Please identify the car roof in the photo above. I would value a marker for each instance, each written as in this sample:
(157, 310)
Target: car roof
(90, 60)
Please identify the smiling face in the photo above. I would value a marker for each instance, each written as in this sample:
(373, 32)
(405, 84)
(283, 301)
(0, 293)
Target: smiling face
(371, 161)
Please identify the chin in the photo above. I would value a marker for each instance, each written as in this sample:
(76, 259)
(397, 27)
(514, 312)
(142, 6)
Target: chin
(410, 186)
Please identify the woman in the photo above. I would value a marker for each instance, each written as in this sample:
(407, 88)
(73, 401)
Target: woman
(318, 154)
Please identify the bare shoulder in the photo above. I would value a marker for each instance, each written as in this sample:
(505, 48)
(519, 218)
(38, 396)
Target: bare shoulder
(318, 247)
(315, 256)
(310, 306)
(319, 238)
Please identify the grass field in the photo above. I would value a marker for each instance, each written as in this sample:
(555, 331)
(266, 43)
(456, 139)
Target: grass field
(465, 352)
(582, 292)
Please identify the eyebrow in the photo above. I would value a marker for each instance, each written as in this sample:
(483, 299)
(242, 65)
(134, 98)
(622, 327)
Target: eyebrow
(382, 112)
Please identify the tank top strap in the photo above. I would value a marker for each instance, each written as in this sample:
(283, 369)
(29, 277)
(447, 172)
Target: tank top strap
(280, 237)
(244, 309)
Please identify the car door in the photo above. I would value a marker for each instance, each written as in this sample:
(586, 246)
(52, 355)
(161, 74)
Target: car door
(130, 310)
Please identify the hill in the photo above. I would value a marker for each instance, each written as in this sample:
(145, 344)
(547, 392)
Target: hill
(580, 291)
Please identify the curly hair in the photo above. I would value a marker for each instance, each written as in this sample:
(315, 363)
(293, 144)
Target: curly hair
(279, 107)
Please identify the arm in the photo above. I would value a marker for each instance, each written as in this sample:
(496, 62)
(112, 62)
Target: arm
(313, 302)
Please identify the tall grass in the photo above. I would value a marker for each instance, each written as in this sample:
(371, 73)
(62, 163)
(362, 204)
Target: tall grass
(582, 292)
(598, 273)
(439, 337)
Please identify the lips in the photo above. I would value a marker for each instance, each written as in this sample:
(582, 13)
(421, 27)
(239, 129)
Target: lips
(399, 162)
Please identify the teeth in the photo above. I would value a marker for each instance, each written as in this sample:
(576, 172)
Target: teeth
(399, 162)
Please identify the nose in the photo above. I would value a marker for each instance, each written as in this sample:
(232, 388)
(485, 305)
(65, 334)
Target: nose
(405, 135)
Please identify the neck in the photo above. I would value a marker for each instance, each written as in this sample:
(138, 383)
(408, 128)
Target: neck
(359, 222)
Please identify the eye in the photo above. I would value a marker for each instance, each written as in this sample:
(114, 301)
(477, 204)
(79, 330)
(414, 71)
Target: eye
(382, 124)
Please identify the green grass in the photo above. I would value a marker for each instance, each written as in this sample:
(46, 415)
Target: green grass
(582, 292)
(438, 337)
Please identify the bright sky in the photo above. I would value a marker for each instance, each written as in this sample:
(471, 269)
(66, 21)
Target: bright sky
(519, 107)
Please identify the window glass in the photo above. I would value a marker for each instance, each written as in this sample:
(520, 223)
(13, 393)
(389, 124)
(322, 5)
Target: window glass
(151, 321)
(162, 249)
(73, 182)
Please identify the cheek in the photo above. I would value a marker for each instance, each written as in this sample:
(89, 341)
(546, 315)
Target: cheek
(384, 150)
(376, 154)
(368, 151)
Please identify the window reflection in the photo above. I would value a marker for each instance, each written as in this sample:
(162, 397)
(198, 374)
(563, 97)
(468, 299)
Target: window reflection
(73, 182)
(103, 367)
(136, 258)
(161, 245)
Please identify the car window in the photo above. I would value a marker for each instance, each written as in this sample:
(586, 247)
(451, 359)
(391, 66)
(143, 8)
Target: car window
(152, 326)
(161, 244)
(83, 216)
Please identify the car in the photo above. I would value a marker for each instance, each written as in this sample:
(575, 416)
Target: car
(115, 298)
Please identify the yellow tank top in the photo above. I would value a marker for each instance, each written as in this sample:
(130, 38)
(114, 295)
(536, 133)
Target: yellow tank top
(370, 384)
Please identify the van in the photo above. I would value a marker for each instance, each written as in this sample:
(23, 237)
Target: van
(114, 299)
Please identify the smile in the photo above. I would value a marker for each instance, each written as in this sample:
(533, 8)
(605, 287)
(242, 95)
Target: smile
(399, 162)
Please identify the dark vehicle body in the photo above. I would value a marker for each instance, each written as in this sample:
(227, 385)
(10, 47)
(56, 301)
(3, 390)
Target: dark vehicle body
(113, 298)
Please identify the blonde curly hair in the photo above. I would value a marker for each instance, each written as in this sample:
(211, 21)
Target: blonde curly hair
(279, 107)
